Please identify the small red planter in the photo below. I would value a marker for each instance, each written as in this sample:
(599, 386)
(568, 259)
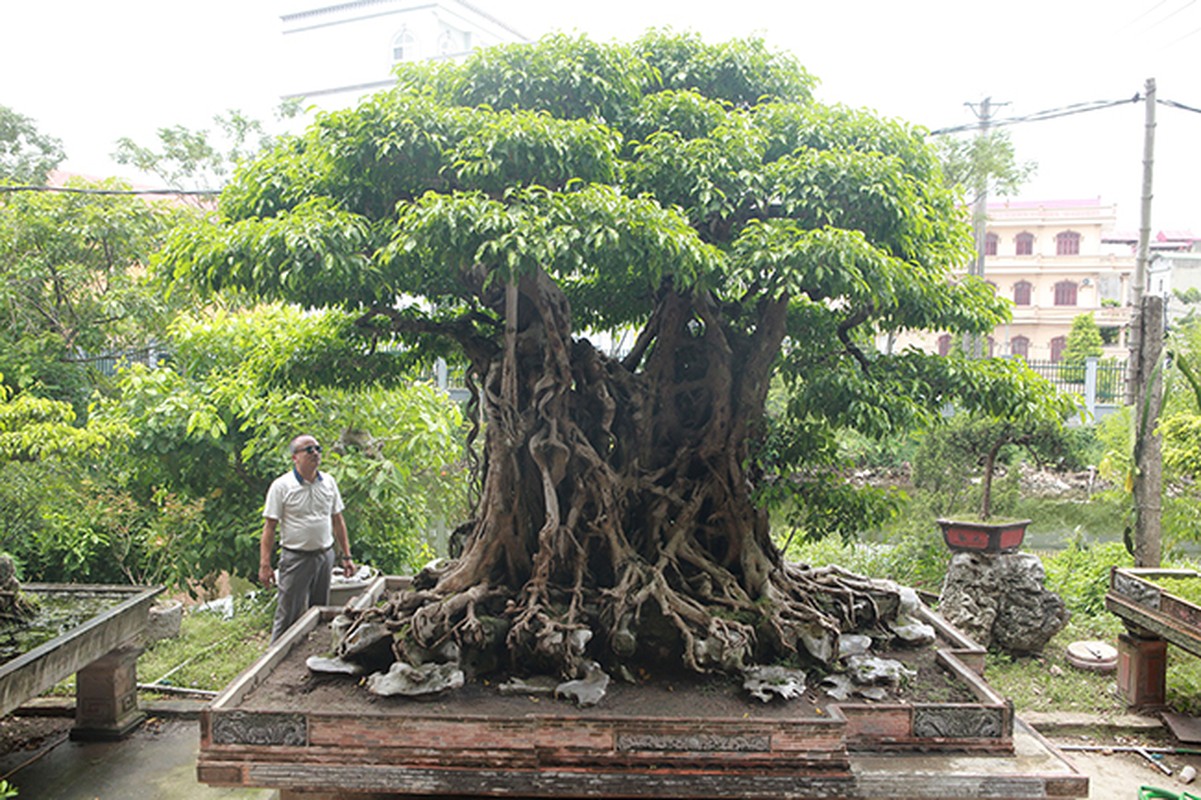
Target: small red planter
(983, 537)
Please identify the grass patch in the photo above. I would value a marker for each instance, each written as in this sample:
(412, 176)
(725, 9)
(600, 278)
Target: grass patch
(1049, 683)
(211, 650)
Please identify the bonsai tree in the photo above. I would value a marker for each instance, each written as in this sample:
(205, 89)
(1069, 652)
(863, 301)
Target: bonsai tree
(1030, 417)
(691, 198)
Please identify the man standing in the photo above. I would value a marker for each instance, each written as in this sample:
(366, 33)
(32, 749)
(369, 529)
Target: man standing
(306, 507)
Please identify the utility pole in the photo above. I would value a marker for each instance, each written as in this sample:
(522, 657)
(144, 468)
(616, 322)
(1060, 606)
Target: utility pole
(1144, 240)
(973, 345)
(1146, 373)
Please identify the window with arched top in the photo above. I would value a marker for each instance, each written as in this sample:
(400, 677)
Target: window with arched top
(404, 46)
(1021, 293)
(990, 244)
(1065, 293)
(944, 344)
(1067, 243)
(1023, 244)
(1058, 345)
(1019, 346)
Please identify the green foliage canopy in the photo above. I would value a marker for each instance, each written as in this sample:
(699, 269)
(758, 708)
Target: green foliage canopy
(74, 283)
(626, 173)
(26, 154)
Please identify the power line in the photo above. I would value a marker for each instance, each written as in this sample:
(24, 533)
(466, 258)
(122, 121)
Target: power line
(127, 192)
(1171, 14)
(1146, 13)
(1181, 106)
(1039, 116)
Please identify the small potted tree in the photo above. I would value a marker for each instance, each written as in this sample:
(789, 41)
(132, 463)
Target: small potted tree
(1024, 412)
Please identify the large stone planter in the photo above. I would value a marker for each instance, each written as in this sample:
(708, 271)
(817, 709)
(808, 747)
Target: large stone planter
(101, 651)
(341, 744)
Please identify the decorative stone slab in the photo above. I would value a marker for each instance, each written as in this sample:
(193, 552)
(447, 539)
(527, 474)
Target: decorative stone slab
(592, 783)
(285, 730)
(1139, 591)
(695, 742)
(956, 722)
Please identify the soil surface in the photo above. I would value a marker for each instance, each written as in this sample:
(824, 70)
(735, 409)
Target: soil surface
(293, 688)
(24, 738)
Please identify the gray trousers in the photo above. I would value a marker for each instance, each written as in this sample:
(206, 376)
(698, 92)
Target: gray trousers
(303, 582)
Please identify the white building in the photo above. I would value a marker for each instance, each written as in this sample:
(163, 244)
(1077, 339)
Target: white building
(1053, 260)
(335, 54)
(1176, 276)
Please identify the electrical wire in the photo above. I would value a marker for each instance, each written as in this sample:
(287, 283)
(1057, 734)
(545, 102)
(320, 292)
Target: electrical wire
(126, 192)
(1181, 106)
(1039, 116)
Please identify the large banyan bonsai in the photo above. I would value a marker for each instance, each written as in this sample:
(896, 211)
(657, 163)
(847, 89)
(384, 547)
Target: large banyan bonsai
(693, 198)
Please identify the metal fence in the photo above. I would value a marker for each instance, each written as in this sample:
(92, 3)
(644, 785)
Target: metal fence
(108, 363)
(1099, 382)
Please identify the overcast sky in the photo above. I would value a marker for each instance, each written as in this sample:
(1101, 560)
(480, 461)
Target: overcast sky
(91, 71)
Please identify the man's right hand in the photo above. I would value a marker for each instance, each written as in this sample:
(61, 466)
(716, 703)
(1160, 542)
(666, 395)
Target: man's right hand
(266, 575)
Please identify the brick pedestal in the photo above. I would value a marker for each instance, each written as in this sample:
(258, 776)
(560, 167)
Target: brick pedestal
(106, 696)
(1142, 668)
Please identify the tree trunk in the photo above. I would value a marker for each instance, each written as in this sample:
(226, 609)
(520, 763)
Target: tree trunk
(616, 520)
(990, 467)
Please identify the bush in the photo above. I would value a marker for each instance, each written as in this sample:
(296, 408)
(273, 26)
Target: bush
(912, 553)
(1080, 574)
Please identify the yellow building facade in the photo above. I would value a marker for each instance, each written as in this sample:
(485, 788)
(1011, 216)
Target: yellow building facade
(1053, 260)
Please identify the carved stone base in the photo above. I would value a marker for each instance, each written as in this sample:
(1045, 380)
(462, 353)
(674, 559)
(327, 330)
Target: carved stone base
(106, 696)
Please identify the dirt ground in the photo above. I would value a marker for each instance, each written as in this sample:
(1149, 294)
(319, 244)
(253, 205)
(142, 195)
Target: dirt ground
(294, 688)
(1119, 775)
(24, 738)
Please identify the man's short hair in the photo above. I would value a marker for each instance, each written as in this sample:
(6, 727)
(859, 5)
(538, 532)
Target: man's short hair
(292, 449)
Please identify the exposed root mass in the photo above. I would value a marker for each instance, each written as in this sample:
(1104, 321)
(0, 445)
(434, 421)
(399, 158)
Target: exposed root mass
(616, 521)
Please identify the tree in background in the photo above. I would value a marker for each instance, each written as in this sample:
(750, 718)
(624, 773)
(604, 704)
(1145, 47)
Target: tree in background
(27, 156)
(1084, 342)
(74, 284)
(190, 159)
(987, 160)
(691, 193)
(40, 444)
(212, 430)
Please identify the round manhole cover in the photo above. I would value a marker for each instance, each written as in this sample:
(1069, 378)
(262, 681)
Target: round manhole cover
(1095, 656)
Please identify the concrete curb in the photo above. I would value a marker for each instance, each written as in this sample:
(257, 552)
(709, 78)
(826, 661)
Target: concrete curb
(1056, 724)
(170, 708)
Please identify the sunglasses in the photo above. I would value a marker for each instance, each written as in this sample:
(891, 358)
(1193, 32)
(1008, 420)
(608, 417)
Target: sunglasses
(312, 448)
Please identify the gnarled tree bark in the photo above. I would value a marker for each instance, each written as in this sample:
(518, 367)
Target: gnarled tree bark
(616, 520)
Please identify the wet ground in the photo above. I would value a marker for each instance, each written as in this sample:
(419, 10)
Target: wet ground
(158, 762)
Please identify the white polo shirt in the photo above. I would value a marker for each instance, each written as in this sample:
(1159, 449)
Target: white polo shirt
(303, 510)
